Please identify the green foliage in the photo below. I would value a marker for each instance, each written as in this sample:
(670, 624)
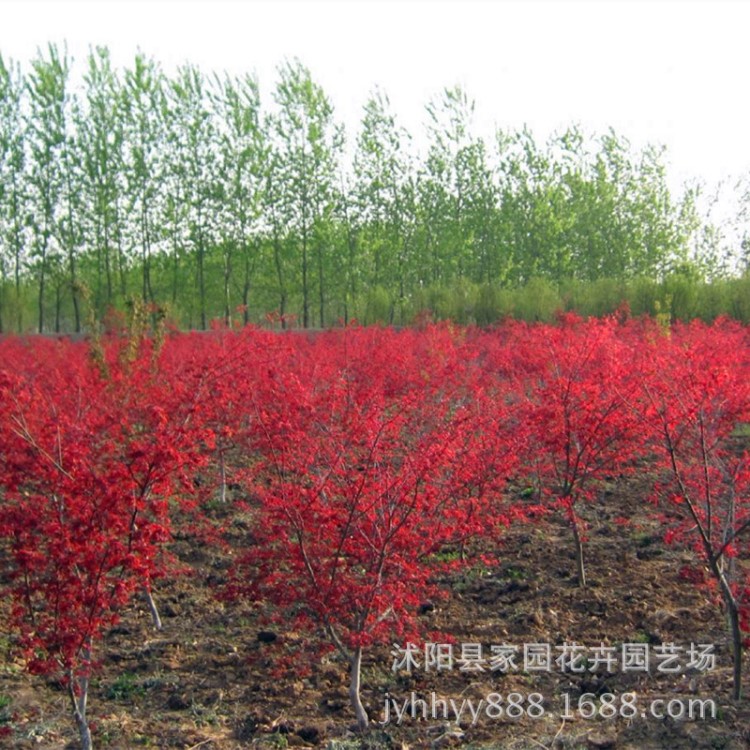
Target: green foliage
(378, 307)
(538, 300)
(125, 688)
(185, 190)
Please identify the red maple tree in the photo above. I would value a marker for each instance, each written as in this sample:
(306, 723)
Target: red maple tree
(90, 463)
(696, 395)
(357, 484)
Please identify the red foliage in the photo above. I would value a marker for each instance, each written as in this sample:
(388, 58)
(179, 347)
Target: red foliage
(696, 394)
(575, 388)
(371, 459)
(90, 464)
(364, 440)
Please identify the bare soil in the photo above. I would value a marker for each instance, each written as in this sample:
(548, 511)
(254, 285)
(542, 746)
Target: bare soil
(213, 678)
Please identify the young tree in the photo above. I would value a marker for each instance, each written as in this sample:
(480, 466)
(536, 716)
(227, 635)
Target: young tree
(360, 446)
(695, 395)
(192, 143)
(89, 465)
(441, 188)
(575, 378)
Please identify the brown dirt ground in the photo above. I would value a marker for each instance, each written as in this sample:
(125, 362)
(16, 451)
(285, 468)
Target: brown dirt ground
(205, 681)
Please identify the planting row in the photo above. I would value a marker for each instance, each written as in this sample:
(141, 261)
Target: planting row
(370, 461)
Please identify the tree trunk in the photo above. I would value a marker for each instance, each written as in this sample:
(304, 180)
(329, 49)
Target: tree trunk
(222, 476)
(152, 608)
(246, 292)
(17, 252)
(121, 260)
(321, 287)
(280, 276)
(58, 306)
(734, 627)
(227, 274)
(733, 616)
(78, 702)
(202, 279)
(42, 282)
(72, 262)
(107, 263)
(574, 522)
(354, 688)
(305, 295)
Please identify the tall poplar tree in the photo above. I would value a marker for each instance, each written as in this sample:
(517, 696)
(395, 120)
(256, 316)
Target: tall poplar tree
(192, 141)
(12, 196)
(46, 132)
(383, 203)
(243, 152)
(145, 144)
(101, 134)
(308, 144)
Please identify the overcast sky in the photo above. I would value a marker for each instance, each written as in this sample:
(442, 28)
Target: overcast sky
(674, 72)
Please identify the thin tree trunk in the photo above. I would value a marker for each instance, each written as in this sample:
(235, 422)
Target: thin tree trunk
(305, 296)
(79, 701)
(18, 248)
(227, 274)
(321, 287)
(202, 279)
(246, 292)
(222, 476)
(734, 627)
(148, 295)
(107, 263)
(42, 287)
(574, 522)
(280, 276)
(99, 244)
(733, 616)
(121, 263)
(74, 291)
(152, 608)
(58, 306)
(72, 262)
(354, 688)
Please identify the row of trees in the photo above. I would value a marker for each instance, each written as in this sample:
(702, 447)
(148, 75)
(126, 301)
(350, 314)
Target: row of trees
(189, 193)
(364, 462)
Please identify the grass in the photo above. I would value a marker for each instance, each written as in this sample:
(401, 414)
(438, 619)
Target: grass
(5, 713)
(125, 688)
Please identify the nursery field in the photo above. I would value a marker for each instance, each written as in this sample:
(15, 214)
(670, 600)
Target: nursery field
(531, 536)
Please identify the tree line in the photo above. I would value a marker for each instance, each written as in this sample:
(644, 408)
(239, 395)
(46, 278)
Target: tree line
(190, 194)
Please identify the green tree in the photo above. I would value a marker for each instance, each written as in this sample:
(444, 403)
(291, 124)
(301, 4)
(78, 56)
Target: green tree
(243, 153)
(443, 187)
(144, 167)
(12, 193)
(382, 206)
(530, 200)
(192, 140)
(308, 144)
(101, 135)
(70, 228)
(46, 129)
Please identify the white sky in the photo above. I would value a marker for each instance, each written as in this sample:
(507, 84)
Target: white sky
(666, 71)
